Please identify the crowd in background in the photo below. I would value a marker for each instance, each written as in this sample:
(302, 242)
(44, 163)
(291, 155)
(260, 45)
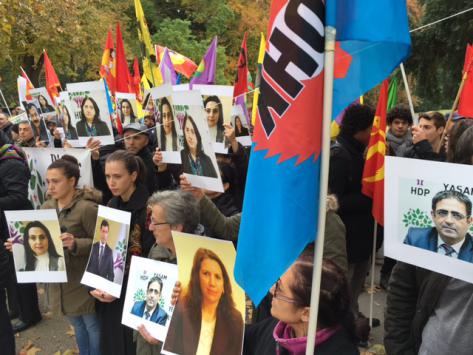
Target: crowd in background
(131, 176)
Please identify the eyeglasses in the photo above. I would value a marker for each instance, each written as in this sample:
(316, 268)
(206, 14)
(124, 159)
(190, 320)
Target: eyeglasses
(444, 214)
(277, 294)
(157, 223)
(212, 110)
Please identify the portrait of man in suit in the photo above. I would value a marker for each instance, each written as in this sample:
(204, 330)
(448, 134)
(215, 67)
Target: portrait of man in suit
(451, 214)
(101, 256)
(149, 308)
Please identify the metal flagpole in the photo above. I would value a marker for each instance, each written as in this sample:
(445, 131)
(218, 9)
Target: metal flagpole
(408, 92)
(330, 33)
(5, 102)
(373, 262)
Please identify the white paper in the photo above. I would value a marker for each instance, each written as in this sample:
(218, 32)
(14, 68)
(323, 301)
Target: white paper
(142, 270)
(410, 185)
(114, 254)
(52, 244)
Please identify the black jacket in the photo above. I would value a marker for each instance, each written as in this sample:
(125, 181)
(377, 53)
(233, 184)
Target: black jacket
(413, 294)
(140, 238)
(259, 340)
(422, 150)
(346, 171)
(14, 178)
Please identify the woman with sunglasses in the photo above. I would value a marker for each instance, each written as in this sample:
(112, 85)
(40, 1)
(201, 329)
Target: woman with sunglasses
(286, 331)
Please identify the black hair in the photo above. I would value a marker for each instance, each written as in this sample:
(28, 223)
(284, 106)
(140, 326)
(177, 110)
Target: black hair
(96, 108)
(464, 148)
(69, 166)
(457, 130)
(15, 128)
(29, 254)
(357, 118)
(401, 112)
(216, 99)
(452, 194)
(104, 224)
(165, 101)
(199, 147)
(132, 113)
(156, 279)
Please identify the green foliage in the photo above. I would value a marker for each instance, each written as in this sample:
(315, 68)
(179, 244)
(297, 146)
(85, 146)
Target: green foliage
(438, 53)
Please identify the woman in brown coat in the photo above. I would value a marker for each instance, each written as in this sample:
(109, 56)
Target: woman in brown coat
(77, 212)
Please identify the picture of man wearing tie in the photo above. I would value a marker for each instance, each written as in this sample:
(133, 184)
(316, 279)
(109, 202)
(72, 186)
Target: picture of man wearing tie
(101, 256)
(451, 214)
(149, 308)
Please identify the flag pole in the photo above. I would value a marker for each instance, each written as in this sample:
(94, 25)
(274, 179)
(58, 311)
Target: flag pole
(5, 102)
(408, 93)
(330, 33)
(454, 107)
(373, 262)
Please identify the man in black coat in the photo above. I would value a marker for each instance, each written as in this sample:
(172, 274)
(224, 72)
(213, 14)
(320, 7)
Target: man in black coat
(347, 159)
(101, 256)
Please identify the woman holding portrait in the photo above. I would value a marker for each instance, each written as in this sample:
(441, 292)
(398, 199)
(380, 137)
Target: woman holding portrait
(194, 160)
(206, 315)
(168, 136)
(90, 124)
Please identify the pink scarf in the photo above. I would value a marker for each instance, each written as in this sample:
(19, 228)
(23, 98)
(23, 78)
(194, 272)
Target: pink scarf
(296, 346)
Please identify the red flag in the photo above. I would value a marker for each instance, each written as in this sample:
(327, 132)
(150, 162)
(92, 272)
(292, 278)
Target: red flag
(465, 105)
(241, 82)
(107, 66)
(373, 172)
(182, 64)
(137, 80)
(123, 73)
(29, 85)
(52, 82)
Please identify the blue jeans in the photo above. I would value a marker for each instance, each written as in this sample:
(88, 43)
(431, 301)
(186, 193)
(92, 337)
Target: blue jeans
(87, 329)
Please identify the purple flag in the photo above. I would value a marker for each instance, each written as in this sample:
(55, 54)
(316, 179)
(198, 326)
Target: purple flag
(167, 69)
(205, 73)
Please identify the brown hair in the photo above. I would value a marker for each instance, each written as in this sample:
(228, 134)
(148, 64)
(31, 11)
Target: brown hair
(69, 166)
(193, 296)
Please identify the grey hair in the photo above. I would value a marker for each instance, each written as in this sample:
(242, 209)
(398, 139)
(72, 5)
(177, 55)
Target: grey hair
(180, 207)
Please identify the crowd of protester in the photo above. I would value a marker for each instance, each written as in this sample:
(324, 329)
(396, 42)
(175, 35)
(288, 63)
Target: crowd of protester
(131, 176)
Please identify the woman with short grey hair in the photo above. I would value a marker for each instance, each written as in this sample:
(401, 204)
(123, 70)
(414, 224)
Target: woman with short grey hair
(172, 210)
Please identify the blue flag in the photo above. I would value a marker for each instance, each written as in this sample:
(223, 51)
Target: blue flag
(282, 190)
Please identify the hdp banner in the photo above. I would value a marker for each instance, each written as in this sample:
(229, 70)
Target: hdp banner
(281, 198)
(38, 161)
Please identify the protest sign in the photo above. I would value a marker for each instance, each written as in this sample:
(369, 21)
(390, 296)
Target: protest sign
(206, 274)
(239, 123)
(36, 120)
(127, 111)
(37, 248)
(148, 296)
(107, 258)
(428, 215)
(65, 119)
(38, 161)
(218, 101)
(168, 128)
(45, 101)
(91, 117)
(197, 155)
